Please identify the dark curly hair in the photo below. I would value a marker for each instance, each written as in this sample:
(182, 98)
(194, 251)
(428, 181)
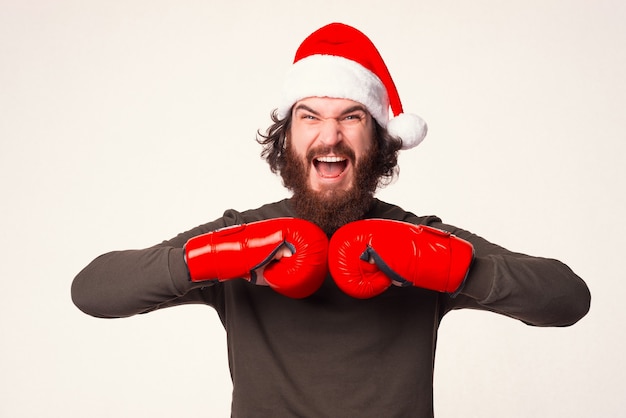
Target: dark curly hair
(386, 149)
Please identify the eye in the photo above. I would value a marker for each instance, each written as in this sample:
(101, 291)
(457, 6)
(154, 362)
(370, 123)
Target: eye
(354, 117)
(308, 116)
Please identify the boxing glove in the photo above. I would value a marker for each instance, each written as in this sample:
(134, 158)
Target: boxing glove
(368, 256)
(251, 250)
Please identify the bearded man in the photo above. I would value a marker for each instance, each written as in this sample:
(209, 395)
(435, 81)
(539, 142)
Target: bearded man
(331, 299)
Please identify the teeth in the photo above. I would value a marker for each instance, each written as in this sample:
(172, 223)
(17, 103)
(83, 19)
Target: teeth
(330, 159)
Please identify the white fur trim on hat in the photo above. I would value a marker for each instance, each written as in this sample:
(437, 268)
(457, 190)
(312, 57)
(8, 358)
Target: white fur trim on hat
(336, 77)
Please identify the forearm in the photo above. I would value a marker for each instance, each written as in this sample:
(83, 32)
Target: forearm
(125, 283)
(538, 291)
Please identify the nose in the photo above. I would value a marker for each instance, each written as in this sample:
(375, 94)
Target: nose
(330, 132)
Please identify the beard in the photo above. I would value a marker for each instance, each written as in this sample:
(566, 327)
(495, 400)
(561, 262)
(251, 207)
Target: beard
(330, 208)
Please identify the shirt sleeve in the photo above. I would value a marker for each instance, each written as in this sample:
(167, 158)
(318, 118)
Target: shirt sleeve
(125, 283)
(535, 290)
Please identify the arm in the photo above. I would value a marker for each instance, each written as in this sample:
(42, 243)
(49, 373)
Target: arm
(368, 256)
(125, 283)
(288, 254)
(537, 291)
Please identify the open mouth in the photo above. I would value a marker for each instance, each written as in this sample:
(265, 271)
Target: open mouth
(330, 167)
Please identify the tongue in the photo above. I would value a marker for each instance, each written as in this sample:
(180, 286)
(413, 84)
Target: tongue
(329, 169)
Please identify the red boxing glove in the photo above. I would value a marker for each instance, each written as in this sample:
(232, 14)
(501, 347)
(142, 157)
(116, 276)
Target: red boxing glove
(366, 257)
(243, 251)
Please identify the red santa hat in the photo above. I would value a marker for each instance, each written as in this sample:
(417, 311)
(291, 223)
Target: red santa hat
(339, 61)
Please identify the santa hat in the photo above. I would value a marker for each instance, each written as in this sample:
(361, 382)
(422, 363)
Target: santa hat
(340, 61)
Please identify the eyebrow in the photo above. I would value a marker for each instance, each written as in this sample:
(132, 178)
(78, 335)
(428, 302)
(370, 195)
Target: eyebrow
(351, 109)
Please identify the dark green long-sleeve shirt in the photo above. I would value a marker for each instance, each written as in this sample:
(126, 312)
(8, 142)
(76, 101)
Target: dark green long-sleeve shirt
(330, 355)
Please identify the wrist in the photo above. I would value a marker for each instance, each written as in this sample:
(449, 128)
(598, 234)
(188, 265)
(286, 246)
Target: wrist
(179, 272)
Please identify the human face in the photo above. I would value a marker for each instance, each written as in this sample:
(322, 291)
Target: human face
(331, 135)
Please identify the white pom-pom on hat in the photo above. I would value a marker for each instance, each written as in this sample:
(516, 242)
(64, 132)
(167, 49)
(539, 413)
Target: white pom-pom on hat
(409, 127)
(339, 61)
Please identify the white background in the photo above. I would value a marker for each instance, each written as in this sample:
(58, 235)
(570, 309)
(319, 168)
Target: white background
(123, 123)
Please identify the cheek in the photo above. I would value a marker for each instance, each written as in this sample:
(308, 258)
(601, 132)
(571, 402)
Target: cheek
(299, 143)
(364, 148)
(363, 139)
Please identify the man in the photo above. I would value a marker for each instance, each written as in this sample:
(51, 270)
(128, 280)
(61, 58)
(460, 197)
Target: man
(342, 294)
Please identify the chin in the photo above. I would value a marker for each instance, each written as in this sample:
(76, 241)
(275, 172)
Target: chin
(330, 192)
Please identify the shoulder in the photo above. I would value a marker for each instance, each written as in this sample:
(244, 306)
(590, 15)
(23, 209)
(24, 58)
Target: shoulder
(281, 208)
(386, 210)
